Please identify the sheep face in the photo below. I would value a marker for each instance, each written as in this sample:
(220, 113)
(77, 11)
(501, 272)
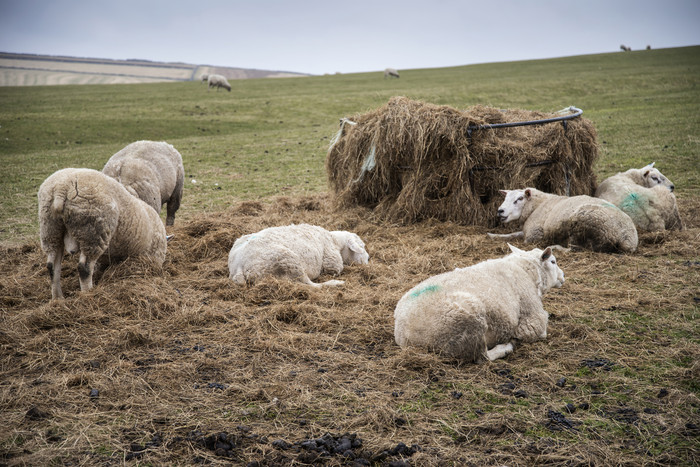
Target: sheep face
(652, 177)
(554, 276)
(512, 207)
(352, 248)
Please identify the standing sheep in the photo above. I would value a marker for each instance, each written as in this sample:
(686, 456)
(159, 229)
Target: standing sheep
(646, 196)
(298, 252)
(218, 81)
(474, 314)
(83, 210)
(391, 73)
(153, 172)
(578, 220)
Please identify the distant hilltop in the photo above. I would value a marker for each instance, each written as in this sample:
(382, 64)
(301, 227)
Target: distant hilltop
(34, 70)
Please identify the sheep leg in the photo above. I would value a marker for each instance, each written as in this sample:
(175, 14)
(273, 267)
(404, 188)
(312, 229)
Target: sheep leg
(85, 270)
(499, 351)
(53, 264)
(509, 236)
(173, 205)
(331, 283)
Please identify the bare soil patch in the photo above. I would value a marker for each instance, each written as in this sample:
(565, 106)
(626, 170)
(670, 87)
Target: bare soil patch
(178, 365)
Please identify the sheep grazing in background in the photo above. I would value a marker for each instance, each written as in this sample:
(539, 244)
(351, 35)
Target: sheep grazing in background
(83, 210)
(391, 73)
(624, 48)
(297, 252)
(205, 78)
(474, 314)
(645, 195)
(581, 221)
(218, 81)
(153, 172)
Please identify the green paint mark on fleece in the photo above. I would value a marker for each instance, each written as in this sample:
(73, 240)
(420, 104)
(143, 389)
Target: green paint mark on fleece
(633, 202)
(426, 289)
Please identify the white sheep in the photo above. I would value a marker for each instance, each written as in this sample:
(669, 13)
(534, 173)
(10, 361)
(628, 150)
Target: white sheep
(645, 195)
(476, 313)
(298, 252)
(218, 81)
(583, 221)
(83, 210)
(153, 172)
(391, 73)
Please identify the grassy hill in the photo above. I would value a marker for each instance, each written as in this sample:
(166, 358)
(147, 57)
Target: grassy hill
(34, 70)
(176, 365)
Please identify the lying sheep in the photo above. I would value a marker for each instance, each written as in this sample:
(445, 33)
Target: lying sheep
(646, 196)
(218, 81)
(83, 210)
(298, 252)
(476, 313)
(578, 220)
(391, 73)
(153, 172)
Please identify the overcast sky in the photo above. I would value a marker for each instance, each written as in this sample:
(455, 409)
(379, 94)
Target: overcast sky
(328, 36)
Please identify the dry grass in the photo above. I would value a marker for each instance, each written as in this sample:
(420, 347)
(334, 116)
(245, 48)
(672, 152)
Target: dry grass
(410, 161)
(178, 365)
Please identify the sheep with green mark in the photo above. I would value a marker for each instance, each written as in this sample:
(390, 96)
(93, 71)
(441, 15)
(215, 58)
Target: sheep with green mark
(478, 313)
(646, 196)
(581, 221)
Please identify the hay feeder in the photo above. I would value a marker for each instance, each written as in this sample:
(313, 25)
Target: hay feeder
(409, 161)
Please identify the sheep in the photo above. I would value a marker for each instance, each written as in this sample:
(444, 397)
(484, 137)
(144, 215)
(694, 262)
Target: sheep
(646, 196)
(391, 73)
(298, 252)
(475, 314)
(578, 220)
(218, 81)
(84, 210)
(151, 171)
(205, 78)
(624, 48)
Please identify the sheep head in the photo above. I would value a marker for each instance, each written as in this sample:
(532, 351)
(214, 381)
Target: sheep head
(652, 177)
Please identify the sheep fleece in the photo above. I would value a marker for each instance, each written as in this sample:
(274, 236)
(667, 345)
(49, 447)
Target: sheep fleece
(290, 251)
(100, 215)
(463, 312)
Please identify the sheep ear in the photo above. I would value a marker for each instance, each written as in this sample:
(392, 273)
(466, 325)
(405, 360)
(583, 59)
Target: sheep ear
(546, 254)
(528, 193)
(515, 249)
(646, 174)
(503, 192)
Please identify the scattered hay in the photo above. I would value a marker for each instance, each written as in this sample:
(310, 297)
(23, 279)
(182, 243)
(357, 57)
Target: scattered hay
(411, 161)
(158, 365)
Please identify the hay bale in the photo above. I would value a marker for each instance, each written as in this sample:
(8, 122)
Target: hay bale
(410, 160)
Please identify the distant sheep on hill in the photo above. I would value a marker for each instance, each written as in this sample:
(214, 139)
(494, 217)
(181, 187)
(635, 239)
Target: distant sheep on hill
(391, 73)
(582, 221)
(624, 48)
(476, 313)
(218, 81)
(298, 252)
(645, 195)
(153, 172)
(83, 210)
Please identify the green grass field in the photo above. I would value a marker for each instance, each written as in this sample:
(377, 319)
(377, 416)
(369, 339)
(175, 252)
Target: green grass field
(269, 137)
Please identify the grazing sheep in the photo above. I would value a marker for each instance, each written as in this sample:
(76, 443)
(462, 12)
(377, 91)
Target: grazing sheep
(624, 48)
(391, 73)
(83, 210)
(578, 220)
(218, 81)
(475, 313)
(153, 172)
(646, 196)
(205, 78)
(298, 252)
